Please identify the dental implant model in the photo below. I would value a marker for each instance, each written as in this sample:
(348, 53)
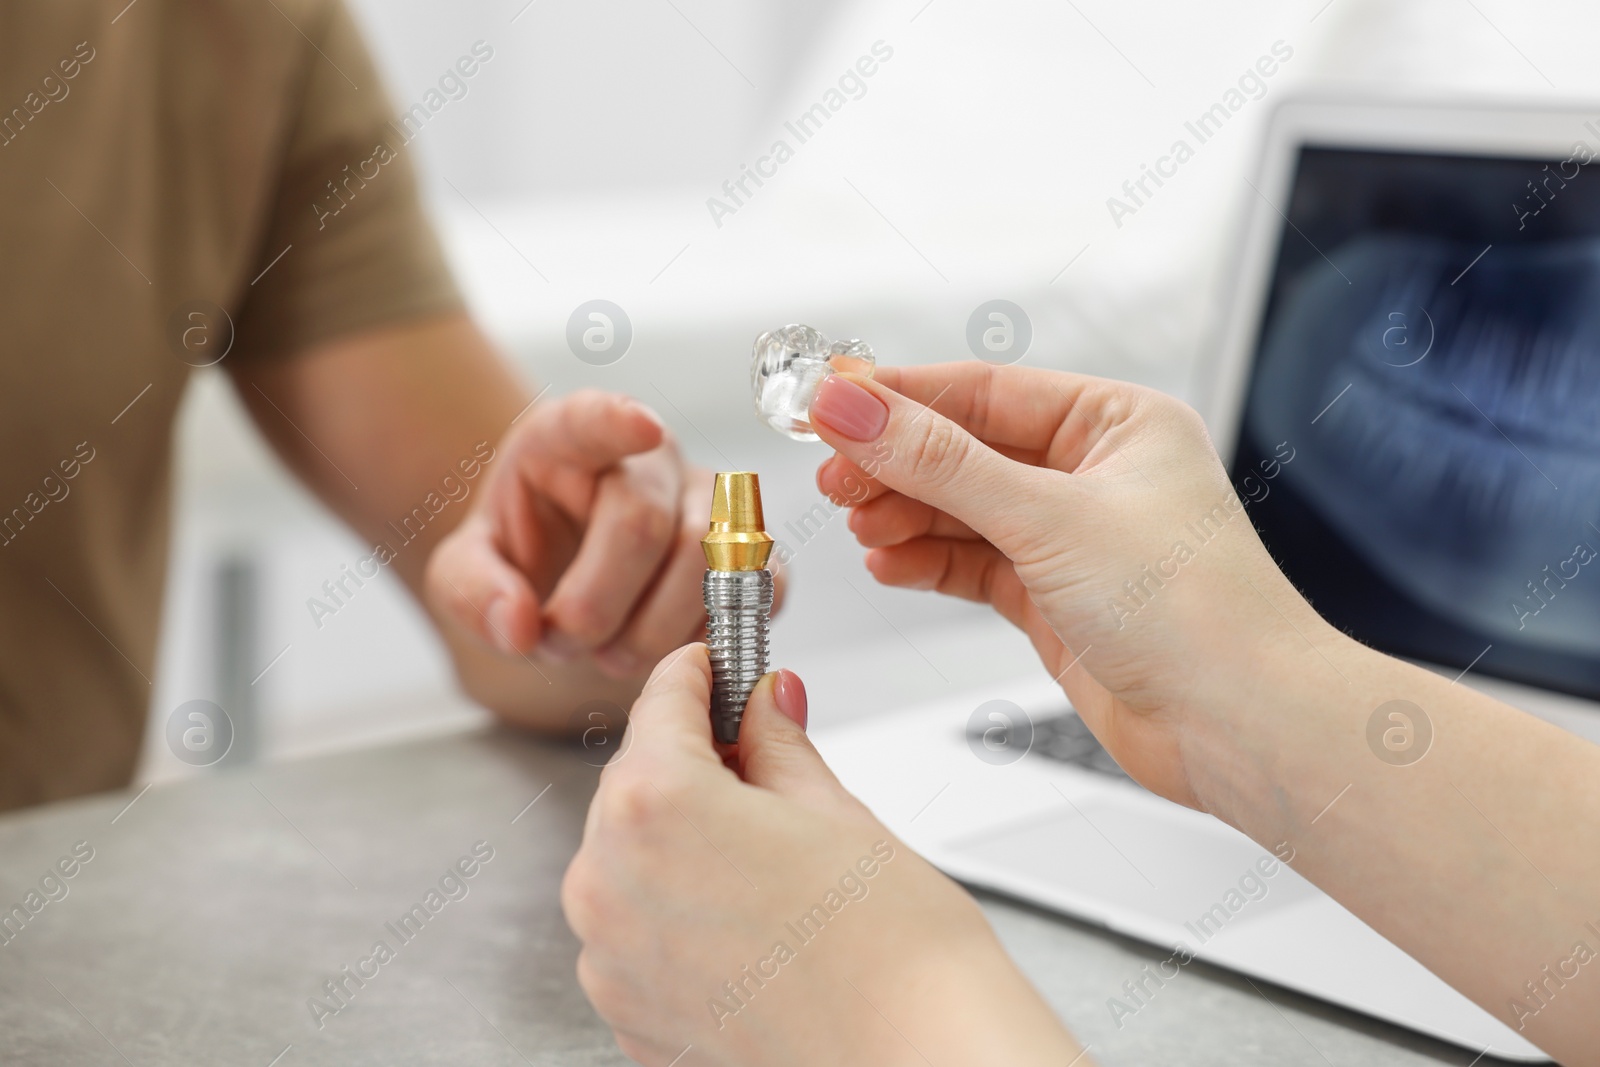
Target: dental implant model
(738, 595)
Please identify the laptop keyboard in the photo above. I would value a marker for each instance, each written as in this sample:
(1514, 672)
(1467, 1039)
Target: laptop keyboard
(1066, 739)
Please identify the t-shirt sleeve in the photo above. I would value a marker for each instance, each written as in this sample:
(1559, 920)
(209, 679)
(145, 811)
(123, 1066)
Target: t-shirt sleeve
(346, 245)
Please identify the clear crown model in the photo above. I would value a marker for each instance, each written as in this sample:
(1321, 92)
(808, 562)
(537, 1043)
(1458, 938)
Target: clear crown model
(787, 366)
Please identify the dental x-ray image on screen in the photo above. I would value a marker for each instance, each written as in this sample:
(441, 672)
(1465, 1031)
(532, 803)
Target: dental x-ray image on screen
(1430, 352)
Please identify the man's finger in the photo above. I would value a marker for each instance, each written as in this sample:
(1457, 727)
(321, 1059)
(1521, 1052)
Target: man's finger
(469, 581)
(631, 528)
(915, 450)
(589, 430)
(672, 610)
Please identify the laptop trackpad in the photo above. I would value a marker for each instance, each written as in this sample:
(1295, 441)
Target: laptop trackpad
(1182, 868)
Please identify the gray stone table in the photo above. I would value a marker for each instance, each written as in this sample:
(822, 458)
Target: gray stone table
(213, 910)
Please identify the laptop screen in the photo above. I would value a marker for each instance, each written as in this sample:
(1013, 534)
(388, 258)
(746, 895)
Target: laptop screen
(1420, 442)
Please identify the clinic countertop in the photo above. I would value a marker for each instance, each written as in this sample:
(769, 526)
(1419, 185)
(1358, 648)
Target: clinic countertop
(214, 909)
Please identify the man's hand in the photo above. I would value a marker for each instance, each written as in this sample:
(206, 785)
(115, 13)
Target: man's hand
(585, 541)
(580, 541)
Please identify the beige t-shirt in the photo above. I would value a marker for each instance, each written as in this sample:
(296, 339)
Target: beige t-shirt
(156, 159)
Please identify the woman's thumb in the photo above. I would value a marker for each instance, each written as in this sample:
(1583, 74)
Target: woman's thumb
(774, 751)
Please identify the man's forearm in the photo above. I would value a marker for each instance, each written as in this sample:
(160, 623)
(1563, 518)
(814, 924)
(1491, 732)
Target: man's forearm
(399, 411)
(405, 411)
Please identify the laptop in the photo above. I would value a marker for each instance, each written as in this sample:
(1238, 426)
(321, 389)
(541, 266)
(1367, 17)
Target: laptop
(1417, 312)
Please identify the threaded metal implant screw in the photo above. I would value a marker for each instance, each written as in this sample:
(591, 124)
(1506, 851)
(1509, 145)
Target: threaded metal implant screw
(739, 623)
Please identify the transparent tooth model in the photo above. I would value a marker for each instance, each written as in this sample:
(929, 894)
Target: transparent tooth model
(788, 365)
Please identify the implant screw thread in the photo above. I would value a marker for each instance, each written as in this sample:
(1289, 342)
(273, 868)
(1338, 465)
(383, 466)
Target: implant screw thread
(739, 621)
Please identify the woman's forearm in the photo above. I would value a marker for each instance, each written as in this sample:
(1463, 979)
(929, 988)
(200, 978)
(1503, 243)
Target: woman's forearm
(1463, 830)
(1097, 518)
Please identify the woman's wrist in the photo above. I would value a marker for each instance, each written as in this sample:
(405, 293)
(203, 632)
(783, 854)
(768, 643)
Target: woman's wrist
(972, 1005)
(1258, 740)
(942, 988)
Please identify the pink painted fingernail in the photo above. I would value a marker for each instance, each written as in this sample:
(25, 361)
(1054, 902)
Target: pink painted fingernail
(850, 409)
(790, 693)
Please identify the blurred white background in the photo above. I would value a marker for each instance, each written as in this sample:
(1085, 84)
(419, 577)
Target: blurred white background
(976, 165)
